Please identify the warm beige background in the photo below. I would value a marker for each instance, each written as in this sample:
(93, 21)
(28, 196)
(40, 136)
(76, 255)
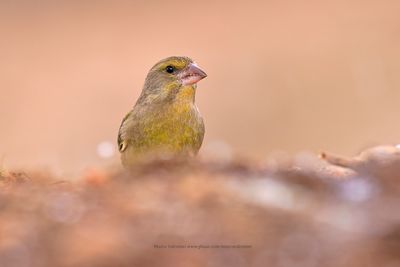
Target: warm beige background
(283, 75)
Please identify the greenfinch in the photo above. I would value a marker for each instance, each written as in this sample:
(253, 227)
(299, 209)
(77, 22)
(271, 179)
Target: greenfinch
(165, 119)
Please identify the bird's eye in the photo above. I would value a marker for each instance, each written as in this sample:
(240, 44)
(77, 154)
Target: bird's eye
(170, 69)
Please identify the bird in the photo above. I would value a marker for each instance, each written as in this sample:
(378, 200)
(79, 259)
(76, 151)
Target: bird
(165, 120)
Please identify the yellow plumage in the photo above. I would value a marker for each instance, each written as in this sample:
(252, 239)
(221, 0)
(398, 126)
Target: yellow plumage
(165, 119)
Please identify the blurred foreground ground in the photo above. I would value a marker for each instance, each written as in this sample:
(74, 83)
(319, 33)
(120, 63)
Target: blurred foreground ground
(298, 212)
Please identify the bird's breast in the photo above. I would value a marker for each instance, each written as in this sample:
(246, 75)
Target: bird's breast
(176, 126)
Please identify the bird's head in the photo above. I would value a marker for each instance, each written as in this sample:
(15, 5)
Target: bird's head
(171, 76)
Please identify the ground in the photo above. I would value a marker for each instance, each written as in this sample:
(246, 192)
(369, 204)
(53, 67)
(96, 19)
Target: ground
(301, 212)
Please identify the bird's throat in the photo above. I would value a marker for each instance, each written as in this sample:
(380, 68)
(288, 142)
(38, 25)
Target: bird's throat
(186, 94)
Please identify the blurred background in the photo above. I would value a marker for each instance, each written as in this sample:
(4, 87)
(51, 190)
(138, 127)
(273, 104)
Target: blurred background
(283, 76)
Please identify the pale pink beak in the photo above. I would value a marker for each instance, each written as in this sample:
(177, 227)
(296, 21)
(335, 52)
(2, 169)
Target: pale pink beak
(191, 74)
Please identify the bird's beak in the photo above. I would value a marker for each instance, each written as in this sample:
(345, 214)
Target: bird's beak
(192, 74)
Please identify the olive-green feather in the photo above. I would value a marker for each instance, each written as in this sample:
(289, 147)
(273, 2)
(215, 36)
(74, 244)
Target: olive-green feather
(164, 118)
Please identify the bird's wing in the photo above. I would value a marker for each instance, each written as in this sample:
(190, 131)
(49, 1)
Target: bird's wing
(122, 140)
